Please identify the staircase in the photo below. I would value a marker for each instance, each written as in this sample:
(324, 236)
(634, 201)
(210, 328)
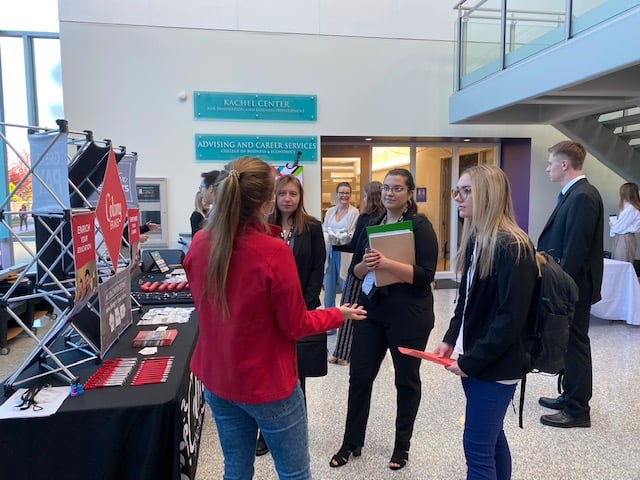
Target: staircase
(613, 138)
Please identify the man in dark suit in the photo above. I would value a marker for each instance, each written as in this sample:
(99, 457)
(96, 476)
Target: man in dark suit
(573, 236)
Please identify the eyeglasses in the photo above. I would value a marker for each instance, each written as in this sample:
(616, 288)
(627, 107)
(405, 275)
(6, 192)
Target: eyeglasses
(344, 193)
(395, 189)
(462, 192)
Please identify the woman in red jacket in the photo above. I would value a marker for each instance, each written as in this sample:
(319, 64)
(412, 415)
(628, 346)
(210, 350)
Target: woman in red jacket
(250, 310)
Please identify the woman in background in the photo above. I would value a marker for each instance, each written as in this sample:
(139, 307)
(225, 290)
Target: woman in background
(247, 295)
(303, 234)
(399, 314)
(373, 207)
(199, 213)
(627, 224)
(488, 329)
(338, 226)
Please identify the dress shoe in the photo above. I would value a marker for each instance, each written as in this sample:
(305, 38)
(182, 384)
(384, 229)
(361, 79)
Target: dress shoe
(553, 403)
(261, 446)
(563, 420)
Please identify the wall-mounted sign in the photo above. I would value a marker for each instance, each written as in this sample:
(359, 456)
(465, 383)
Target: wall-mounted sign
(254, 106)
(271, 148)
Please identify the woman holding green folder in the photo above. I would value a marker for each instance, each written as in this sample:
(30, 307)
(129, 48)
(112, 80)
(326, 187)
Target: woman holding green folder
(399, 314)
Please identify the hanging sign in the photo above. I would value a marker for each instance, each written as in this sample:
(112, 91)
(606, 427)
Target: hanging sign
(115, 308)
(84, 256)
(112, 209)
(254, 106)
(50, 172)
(270, 148)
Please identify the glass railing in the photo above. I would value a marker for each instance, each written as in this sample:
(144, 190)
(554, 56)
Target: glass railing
(494, 34)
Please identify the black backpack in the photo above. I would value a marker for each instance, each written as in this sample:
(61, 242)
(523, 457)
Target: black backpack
(551, 313)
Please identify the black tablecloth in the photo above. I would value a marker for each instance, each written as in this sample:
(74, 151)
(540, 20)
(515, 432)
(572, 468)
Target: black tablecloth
(142, 432)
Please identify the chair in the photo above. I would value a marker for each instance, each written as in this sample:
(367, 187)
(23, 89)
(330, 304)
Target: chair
(173, 257)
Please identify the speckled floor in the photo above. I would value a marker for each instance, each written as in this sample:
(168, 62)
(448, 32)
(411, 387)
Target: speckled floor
(609, 449)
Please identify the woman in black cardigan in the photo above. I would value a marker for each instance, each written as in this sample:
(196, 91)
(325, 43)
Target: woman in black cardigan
(488, 328)
(400, 314)
(304, 235)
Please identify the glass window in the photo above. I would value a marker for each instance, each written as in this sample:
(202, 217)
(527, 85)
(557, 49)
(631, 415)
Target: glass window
(48, 76)
(29, 15)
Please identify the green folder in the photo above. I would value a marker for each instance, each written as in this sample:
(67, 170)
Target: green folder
(390, 227)
(396, 242)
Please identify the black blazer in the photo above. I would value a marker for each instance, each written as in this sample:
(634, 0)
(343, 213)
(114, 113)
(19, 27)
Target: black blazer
(408, 307)
(497, 312)
(310, 253)
(573, 236)
(197, 221)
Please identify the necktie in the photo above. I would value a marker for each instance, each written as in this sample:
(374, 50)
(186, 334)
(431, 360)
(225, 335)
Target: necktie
(560, 195)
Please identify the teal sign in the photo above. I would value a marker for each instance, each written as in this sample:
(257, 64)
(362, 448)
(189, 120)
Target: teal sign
(271, 148)
(254, 106)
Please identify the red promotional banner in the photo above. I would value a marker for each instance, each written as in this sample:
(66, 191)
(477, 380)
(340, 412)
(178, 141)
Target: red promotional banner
(134, 225)
(84, 252)
(112, 209)
(134, 237)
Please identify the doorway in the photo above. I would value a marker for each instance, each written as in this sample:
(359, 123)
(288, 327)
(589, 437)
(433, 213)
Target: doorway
(435, 167)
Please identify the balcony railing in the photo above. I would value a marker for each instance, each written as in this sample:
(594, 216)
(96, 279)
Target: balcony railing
(492, 35)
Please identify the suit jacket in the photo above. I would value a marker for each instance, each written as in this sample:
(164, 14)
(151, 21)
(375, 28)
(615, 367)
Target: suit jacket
(496, 315)
(573, 236)
(309, 253)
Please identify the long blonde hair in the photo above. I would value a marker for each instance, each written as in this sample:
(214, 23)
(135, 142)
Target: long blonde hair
(242, 188)
(492, 217)
(198, 204)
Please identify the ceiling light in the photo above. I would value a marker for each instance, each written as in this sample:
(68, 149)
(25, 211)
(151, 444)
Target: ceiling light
(368, 139)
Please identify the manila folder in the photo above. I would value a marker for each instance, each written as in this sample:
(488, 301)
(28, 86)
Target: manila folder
(398, 246)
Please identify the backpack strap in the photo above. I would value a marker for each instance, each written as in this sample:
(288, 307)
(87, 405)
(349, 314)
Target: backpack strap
(523, 387)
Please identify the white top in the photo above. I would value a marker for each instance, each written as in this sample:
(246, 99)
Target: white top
(348, 222)
(628, 221)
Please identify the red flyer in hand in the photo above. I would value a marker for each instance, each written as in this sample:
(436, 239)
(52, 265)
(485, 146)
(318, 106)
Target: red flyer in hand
(432, 357)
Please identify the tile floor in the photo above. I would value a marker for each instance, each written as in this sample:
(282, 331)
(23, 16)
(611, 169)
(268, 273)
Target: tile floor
(609, 449)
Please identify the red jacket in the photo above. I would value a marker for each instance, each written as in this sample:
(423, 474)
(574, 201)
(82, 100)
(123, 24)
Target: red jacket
(251, 356)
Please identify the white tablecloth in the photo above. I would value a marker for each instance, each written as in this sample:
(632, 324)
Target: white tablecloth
(620, 293)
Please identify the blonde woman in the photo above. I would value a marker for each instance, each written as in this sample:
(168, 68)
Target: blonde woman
(199, 213)
(487, 331)
(338, 226)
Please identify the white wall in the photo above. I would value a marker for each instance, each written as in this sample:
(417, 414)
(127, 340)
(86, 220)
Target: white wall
(418, 19)
(122, 82)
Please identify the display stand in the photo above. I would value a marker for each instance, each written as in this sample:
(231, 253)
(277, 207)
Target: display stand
(53, 257)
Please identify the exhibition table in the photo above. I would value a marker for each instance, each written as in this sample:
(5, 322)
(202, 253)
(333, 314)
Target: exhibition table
(620, 293)
(124, 432)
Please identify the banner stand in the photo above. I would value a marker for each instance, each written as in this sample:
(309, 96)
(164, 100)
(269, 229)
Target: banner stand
(54, 259)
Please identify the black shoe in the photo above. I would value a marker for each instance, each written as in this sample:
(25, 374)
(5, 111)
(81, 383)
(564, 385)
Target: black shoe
(399, 459)
(563, 420)
(261, 446)
(558, 403)
(342, 457)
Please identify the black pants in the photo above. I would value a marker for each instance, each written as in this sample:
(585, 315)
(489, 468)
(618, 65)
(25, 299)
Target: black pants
(578, 379)
(371, 340)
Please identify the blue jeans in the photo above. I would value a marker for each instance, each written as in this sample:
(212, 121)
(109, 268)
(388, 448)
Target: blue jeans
(283, 424)
(485, 444)
(331, 278)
